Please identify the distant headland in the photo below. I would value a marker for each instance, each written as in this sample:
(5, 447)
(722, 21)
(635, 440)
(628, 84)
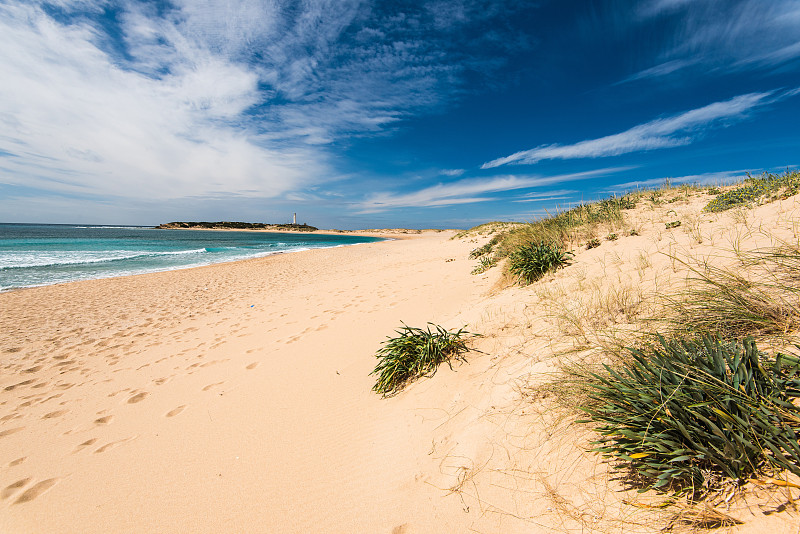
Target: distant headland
(232, 225)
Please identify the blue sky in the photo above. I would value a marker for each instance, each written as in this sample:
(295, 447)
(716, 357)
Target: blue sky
(356, 114)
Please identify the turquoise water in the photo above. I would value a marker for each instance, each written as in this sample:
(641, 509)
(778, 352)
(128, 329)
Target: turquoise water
(44, 254)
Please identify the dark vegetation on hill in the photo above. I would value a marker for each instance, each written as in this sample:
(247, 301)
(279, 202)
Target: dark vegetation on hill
(228, 225)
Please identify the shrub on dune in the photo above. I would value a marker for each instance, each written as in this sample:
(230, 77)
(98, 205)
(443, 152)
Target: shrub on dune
(531, 262)
(687, 412)
(414, 353)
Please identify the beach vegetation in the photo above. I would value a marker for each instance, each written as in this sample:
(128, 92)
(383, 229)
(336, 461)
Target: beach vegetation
(486, 248)
(673, 224)
(759, 297)
(531, 262)
(683, 414)
(592, 243)
(415, 353)
(757, 189)
(484, 264)
(566, 227)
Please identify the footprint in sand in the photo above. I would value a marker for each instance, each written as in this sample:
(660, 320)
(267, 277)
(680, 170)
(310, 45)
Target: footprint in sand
(138, 397)
(57, 413)
(17, 461)
(175, 411)
(212, 385)
(36, 490)
(15, 386)
(104, 420)
(252, 366)
(113, 444)
(10, 431)
(84, 445)
(11, 489)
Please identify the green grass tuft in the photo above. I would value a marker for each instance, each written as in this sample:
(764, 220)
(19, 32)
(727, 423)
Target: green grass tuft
(532, 261)
(484, 264)
(689, 410)
(756, 189)
(415, 353)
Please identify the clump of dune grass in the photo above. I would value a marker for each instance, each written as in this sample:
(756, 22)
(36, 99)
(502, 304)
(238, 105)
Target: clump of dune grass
(761, 297)
(415, 353)
(680, 414)
(490, 228)
(567, 227)
(485, 249)
(531, 262)
(766, 187)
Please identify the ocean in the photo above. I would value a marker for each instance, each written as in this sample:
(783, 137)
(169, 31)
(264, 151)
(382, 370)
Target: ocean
(44, 254)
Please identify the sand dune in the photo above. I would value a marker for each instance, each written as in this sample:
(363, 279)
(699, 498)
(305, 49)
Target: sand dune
(236, 397)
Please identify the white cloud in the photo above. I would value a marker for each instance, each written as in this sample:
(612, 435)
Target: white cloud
(452, 172)
(221, 97)
(734, 34)
(463, 191)
(660, 70)
(668, 132)
(559, 194)
(76, 122)
(709, 178)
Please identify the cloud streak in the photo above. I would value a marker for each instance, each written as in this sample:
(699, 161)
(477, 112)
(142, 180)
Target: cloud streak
(464, 191)
(123, 99)
(674, 131)
(734, 35)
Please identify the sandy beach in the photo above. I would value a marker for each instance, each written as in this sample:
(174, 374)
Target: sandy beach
(227, 398)
(236, 397)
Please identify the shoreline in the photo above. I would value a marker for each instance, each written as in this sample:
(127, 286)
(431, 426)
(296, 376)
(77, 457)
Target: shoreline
(395, 233)
(166, 401)
(383, 236)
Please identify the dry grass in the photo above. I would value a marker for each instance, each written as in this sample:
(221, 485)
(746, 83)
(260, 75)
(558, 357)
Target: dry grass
(759, 296)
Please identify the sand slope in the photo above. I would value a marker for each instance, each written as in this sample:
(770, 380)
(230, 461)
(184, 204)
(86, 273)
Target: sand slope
(236, 397)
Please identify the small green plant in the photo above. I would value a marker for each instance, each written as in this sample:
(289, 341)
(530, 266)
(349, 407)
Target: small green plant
(612, 237)
(633, 232)
(484, 264)
(414, 353)
(713, 191)
(592, 243)
(532, 261)
(482, 251)
(673, 224)
(682, 413)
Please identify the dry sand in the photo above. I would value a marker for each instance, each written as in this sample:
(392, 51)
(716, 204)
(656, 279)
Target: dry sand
(236, 397)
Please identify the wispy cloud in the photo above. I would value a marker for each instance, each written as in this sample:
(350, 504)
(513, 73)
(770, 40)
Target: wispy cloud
(225, 97)
(668, 132)
(546, 196)
(738, 34)
(464, 191)
(662, 69)
(709, 178)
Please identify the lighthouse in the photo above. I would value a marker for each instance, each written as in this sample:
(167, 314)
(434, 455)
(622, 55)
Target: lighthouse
(294, 219)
